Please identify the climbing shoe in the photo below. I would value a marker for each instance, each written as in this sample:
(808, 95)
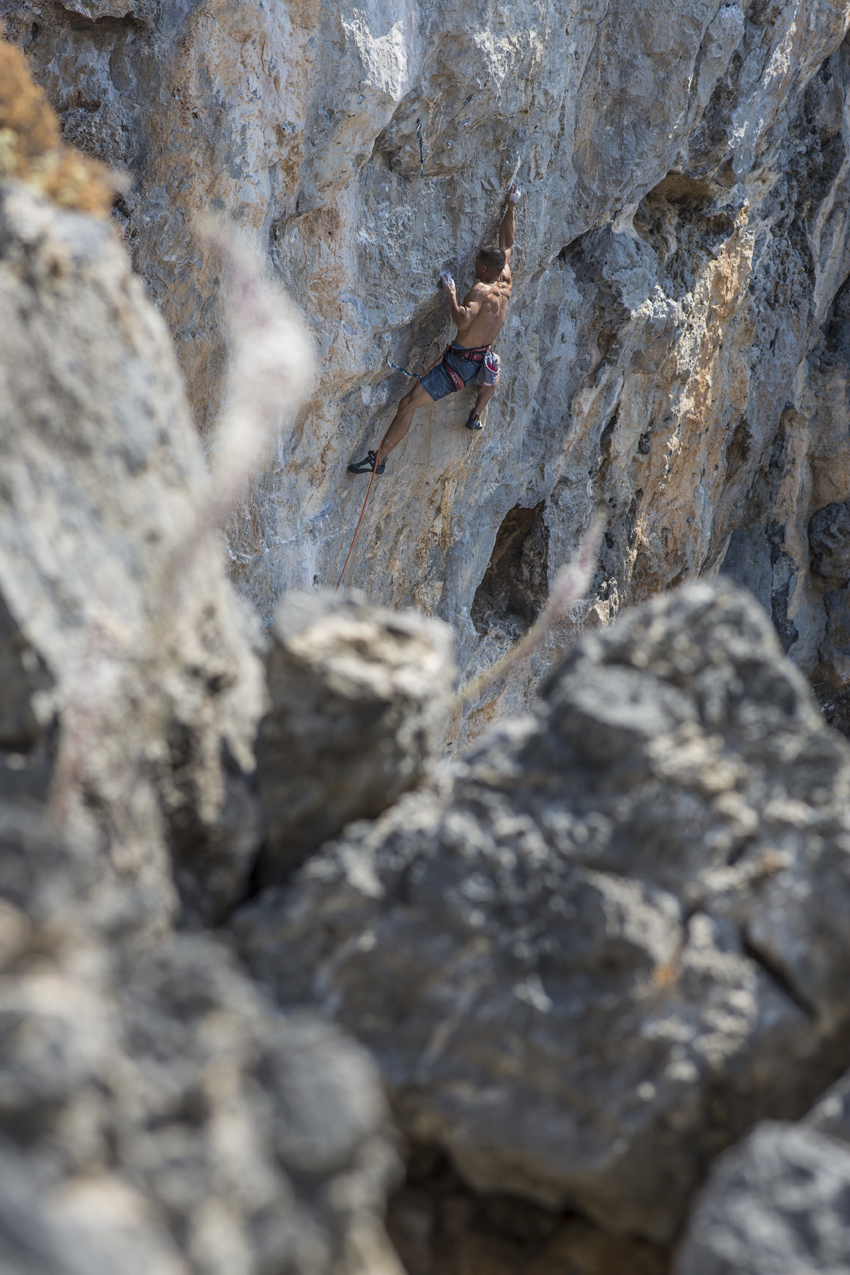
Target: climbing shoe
(474, 422)
(367, 465)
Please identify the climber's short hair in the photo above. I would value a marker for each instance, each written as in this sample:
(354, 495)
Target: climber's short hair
(493, 258)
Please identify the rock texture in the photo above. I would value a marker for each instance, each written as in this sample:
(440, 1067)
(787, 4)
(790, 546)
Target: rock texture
(675, 348)
(619, 941)
(829, 544)
(156, 1115)
(135, 691)
(616, 938)
(832, 1113)
(359, 699)
(778, 1203)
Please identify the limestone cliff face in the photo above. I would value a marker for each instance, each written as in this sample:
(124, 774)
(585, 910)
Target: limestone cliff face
(674, 348)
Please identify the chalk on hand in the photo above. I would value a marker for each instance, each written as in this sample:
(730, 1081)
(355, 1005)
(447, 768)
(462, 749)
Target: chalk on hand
(446, 279)
(515, 193)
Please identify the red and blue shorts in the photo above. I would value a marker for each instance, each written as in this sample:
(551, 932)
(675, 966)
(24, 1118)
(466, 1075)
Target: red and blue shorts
(459, 367)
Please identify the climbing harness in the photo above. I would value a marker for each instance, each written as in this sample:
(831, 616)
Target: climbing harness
(421, 149)
(481, 355)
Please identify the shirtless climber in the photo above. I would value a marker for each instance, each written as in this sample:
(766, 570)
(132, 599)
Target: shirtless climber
(469, 357)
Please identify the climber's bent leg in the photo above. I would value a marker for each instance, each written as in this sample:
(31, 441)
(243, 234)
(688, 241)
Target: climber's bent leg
(399, 426)
(485, 393)
(401, 422)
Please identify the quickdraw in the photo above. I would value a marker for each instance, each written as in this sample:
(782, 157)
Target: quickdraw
(399, 368)
(421, 149)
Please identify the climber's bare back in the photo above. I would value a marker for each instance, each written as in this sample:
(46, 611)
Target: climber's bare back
(489, 304)
(478, 320)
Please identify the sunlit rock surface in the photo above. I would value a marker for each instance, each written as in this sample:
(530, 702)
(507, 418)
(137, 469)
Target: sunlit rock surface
(674, 348)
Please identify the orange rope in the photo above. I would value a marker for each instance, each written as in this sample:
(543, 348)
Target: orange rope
(372, 479)
(360, 519)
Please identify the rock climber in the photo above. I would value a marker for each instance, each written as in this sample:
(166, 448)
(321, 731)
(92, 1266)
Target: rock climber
(469, 357)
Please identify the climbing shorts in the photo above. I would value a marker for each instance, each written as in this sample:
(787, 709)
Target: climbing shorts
(459, 367)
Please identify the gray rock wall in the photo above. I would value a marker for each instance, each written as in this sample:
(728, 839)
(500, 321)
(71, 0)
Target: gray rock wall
(615, 936)
(673, 347)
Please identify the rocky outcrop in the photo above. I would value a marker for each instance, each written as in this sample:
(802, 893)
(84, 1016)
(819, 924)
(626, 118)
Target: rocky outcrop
(589, 958)
(165, 1117)
(359, 699)
(158, 1116)
(618, 942)
(136, 690)
(674, 347)
(776, 1204)
(779, 1201)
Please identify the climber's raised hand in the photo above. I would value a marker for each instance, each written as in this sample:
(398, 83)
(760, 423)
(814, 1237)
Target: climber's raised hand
(447, 281)
(508, 226)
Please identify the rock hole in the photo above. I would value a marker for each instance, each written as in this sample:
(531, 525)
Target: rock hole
(738, 449)
(681, 191)
(515, 586)
(607, 433)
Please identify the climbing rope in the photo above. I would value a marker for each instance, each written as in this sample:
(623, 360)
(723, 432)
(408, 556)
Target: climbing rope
(372, 478)
(359, 520)
(399, 369)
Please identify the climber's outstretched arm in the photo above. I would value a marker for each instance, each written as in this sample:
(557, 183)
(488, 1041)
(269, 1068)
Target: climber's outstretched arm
(508, 226)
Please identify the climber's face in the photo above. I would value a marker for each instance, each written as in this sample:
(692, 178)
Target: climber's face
(483, 271)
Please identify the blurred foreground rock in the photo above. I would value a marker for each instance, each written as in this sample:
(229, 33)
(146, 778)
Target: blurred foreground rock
(136, 691)
(619, 942)
(359, 697)
(779, 1204)
(166, 1118)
